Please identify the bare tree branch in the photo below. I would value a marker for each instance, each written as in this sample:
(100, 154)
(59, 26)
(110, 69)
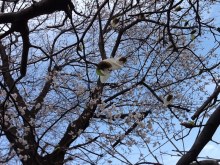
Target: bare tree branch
(204, 137)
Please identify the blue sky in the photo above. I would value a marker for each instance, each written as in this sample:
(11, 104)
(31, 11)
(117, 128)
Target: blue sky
(211, 150)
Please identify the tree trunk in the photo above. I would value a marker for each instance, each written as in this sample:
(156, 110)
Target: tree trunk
(205, 136)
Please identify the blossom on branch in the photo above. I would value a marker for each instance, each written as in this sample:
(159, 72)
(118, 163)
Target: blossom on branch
(105, 67)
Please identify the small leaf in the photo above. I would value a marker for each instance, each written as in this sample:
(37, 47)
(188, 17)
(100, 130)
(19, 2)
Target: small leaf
(192, 122)
(141, 16)
(169, 47)
(193, 31)
(79, 47)
(115, 22)
(165, 42)
(193, 37)
(200, 71)
(98, 72)
(186, 23)
(189, 124)
(179, 8)
(169, 97)
(57, 148)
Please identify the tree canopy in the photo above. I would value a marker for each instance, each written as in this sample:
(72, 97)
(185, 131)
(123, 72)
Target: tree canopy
(161, 63)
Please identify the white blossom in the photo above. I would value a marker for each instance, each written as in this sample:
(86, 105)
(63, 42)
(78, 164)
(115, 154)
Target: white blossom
(23, 141)
(141, 124)
(23, 157)
(22, 110)
(26, 129)
(103, 79)
(73, 125)
(147, 140)
(20, 140)
(38, 105)
(48, 78)
(71, 133)
(6, 118)
(149, 126)
(105, 67)
(26, 147)
(14, 95)
(19, 150)
(116, 63)
(80, 131)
